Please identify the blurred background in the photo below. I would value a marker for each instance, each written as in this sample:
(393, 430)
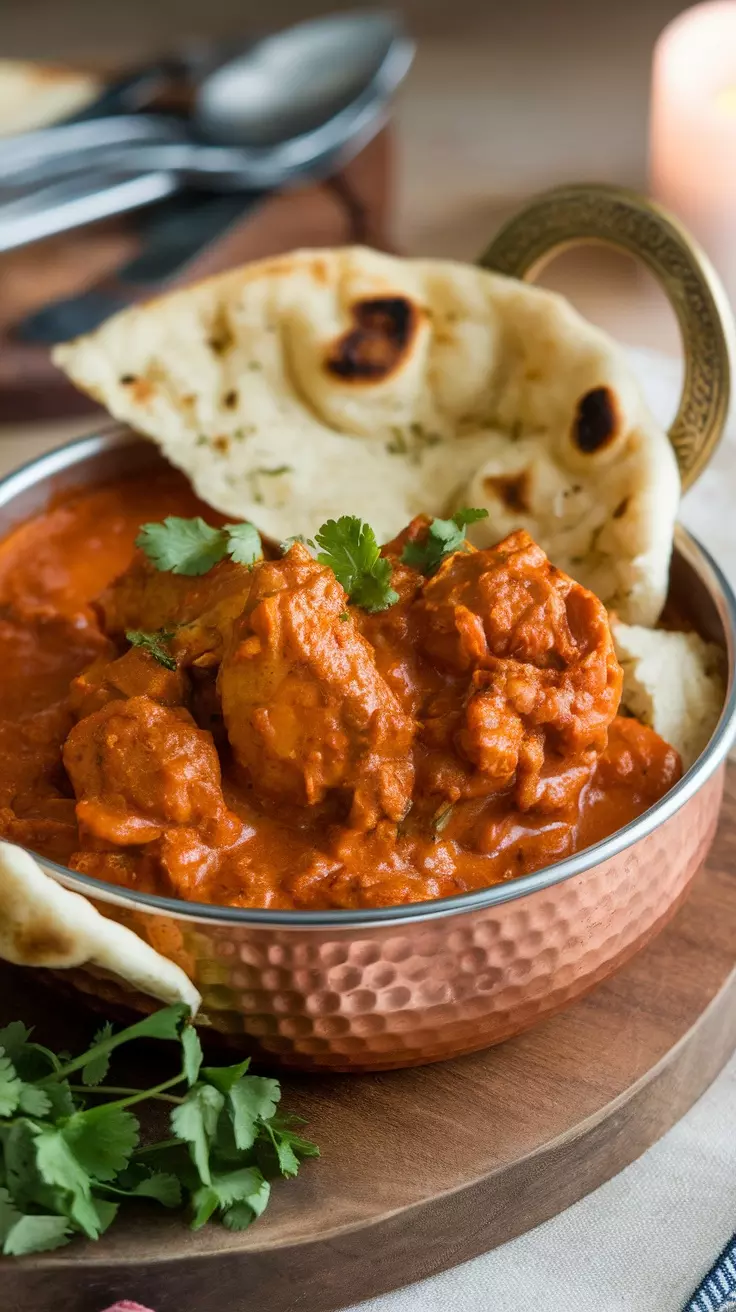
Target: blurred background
(503, 100)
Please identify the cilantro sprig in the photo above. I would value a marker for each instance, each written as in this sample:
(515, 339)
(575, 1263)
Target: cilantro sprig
(70, 1150)
(350, 549)
(443, 538)
(153, 643)
(192, 547)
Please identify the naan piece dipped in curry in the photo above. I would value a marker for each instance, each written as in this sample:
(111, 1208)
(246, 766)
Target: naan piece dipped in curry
(359, 729)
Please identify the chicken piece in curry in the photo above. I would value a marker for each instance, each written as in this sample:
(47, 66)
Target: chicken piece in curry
(309, 718)
(279, 745)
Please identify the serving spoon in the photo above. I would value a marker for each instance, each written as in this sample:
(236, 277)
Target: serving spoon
(290, 105)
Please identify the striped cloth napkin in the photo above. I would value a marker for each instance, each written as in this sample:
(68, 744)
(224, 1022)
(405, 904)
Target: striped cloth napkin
(717, 1293)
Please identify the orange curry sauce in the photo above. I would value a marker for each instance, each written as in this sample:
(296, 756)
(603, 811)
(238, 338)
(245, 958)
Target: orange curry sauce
(304, 754)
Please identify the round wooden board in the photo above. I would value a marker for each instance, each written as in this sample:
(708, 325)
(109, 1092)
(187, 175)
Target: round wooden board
(422, 1169)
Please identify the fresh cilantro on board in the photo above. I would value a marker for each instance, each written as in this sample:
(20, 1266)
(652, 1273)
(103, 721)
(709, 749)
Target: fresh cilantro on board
(153, 643)
(191, 547)
(350, 549)
(444, 536)
(70, 1150)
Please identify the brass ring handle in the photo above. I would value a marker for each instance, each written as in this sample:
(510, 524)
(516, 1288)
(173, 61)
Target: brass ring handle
(569, 216)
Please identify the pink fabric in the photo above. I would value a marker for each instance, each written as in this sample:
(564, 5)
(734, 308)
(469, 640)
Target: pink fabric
(127, 1306)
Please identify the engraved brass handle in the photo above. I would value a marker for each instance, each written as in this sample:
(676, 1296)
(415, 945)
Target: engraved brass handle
(569, 216)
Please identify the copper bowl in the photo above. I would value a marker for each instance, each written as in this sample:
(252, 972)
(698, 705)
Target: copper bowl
(401, 986)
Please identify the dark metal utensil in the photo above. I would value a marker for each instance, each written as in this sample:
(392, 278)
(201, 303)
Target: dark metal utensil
(131, 92)
(173, 237)
(62, 209)
(48, 154)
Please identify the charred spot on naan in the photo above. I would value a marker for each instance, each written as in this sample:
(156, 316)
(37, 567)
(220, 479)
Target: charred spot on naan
(383, 333)
(42, 941)
(597, 420)
(221, 338)
(513, 490)
(142, 390)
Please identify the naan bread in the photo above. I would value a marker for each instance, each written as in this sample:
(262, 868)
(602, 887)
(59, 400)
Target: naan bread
(35, 95)
(44, 924)
(338, 382)
(674, 682)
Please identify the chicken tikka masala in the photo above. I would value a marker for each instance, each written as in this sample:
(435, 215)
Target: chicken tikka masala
(262, 733)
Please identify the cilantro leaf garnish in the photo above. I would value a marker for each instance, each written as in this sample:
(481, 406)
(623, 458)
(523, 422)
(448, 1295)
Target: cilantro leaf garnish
(106, 1213)
(33, 1101)
(244, 543)
(192, 547)
(195, 1121)
(70, 1181)
(288, 543)
(183, 546)
(69, 1143)
(192, 1054)
(224, 1077)
(350, 549)
(61, 1102)
(36, 1234)
(444, 536)
(285, 1155)
(244, 1188)
(165, 1188)
(103, 1143)
(13, 1038)
(97, 1067)
(240, 1215)
(9, 1214)
(252, 1102)
(242, 1194)
(10, 1086)
(153, 644)
(204, 1205)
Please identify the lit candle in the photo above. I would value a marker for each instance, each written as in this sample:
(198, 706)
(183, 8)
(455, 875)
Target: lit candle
(693, 128)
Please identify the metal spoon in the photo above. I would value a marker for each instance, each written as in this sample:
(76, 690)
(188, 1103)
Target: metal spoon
(49, 153)
(294, 102)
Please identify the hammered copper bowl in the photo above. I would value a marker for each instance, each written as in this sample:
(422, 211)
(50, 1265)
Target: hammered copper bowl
(400, 986)
(371, 990)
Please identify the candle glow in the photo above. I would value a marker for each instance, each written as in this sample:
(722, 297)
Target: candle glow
(693, 127)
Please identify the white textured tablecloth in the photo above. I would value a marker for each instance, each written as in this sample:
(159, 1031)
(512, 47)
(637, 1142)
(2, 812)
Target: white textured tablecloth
(642, 1242)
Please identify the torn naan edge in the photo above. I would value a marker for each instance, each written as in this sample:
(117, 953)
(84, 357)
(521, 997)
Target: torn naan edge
(673, 682)
(334, 382)
(44, 924)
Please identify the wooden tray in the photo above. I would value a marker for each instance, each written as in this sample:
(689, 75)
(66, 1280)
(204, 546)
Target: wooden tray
(423, 1169)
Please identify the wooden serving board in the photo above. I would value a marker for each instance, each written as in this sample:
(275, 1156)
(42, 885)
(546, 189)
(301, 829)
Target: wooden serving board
(422, 1169)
